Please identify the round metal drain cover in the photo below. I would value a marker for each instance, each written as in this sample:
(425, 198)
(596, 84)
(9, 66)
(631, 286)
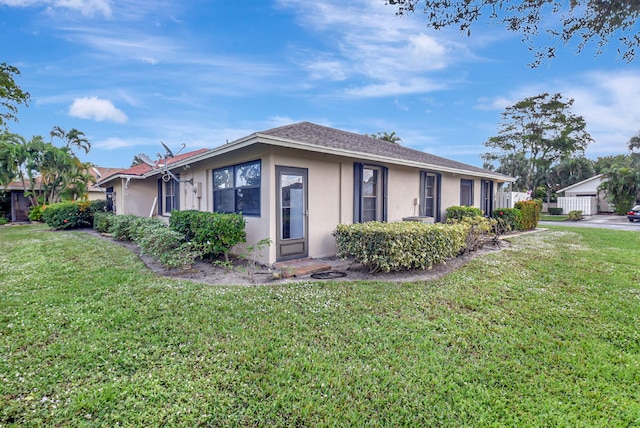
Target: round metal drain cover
(328, 275)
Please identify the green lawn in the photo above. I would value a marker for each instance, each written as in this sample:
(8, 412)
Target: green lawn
(544, 333)
(553, 217)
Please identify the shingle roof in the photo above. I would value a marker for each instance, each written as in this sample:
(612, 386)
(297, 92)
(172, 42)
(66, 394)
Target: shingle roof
(319, 135)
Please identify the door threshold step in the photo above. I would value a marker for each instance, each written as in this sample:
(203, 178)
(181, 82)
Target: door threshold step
(301, 267)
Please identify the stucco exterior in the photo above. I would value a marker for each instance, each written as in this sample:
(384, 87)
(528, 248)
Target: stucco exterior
(331, 185)
(589, 188)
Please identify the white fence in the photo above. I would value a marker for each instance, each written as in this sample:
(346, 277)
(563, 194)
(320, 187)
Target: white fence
(509, 199)
(587, 204)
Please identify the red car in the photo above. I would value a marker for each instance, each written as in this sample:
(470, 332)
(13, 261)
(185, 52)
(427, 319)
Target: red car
(634, 213)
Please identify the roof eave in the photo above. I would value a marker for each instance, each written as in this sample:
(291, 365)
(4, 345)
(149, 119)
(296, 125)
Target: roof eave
(258, 137)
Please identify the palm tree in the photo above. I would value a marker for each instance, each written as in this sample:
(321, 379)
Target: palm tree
(72, 138)
(384, 136)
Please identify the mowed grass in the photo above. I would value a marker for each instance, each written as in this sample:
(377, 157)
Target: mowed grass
(544, 333)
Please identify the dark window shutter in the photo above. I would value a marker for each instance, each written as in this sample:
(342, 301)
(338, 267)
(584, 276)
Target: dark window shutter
(357, 192)
(385, 192)
(160, 196)
(423, 183)
(439, 181)
(176, 193)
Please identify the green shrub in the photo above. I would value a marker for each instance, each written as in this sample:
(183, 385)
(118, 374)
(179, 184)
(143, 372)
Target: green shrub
(400, 246)
(511, 218)
(555, 210)
(481, 229)
(159, 240)
(122, 226)
(132, 228)
(575, 215)
(102, 221)
(458, 212)
(213, 234)
(35, 213)
(530, 213)
(67, 215)
(153, 237)
(3, 220)
(98, 206)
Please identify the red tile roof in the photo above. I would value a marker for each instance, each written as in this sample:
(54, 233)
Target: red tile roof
(143, 168)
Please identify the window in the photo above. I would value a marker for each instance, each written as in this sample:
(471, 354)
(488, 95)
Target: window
(370, 194)
(430, 194)
(236, 189)
(466, 193)
(168, 196)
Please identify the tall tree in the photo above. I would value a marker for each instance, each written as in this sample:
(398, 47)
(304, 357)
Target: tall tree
(10, 95)
(584, 21)
(511, 164)
(72, 138)
(47, 172)
(543, 130)
(604, 163)
(567, 172)
(622, 187)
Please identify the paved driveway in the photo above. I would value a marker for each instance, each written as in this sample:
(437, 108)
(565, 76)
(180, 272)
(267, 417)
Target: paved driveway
(604, 221)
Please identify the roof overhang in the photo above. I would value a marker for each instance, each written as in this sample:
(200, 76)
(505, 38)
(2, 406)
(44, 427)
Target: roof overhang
(259, 138)
(595, 177)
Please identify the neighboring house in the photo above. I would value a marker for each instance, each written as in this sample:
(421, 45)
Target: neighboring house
(20, 204)
(294, 184)
(141, 190)
(97, 192)
(585, 196)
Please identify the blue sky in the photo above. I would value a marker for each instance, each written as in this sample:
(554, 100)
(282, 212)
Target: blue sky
(132, 73)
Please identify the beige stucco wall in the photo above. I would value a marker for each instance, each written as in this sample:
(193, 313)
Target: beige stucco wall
(330, 193)
(96, 195)
(136, 198)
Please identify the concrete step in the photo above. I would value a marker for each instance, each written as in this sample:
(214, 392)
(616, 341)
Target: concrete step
(301, 267)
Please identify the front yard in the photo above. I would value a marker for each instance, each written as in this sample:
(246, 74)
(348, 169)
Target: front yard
(543, 333)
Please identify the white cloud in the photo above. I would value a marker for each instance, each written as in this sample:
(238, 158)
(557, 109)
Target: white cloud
(391, 88)
(606, 100)
(85, 7)
(609, 103)
(498, 103)
(367, 39)
(96, 109)
(112, 144)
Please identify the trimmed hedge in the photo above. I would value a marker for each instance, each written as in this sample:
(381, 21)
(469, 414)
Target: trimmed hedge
(213, 234)
(530, 213)
(460, 212)
(555, 210)
(575, 215)
(511, 218)
(481, 230)
(400, 246)
(68, 215)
